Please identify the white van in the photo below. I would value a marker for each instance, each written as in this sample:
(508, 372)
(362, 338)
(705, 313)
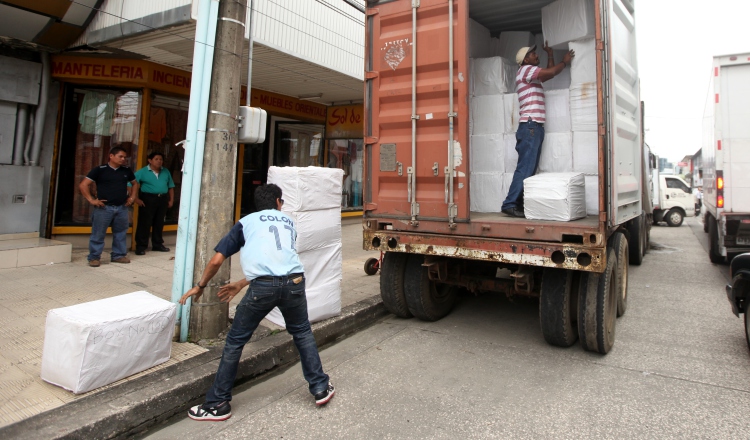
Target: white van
(673, 200)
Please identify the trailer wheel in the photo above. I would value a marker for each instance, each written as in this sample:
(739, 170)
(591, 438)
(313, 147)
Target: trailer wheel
(620, 244)
(705, 223)
(371, 266)
(674, 218)
(597, 307)
(392, 283)
(426, 299)
(713, 239)
(636, 240)
(558, 306)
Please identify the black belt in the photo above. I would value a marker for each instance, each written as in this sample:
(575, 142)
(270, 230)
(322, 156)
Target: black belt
(152, 194)
(273, 278)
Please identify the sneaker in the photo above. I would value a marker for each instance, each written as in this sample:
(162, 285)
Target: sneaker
(94, 263)
(123, 260)
(324, 396)
(217, 413)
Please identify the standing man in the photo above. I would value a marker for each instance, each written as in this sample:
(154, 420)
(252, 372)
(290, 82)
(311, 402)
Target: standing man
(272, 268)
(530, 132)
(155, 197)
(111, 203)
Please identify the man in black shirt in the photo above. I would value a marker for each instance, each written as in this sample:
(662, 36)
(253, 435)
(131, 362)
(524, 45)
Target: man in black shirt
(111, 203)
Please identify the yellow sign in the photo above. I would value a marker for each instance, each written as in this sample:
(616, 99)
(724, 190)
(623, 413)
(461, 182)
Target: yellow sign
(282, 105)
(345, 122)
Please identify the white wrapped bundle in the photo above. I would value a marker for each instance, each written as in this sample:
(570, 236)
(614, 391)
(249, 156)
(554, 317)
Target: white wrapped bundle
(592, 195)
(583, 66)
(557, 153)
(479, 40)
(308, 188)
(564, 21)
(586, 152)
(487, 192)
(583, 101)
(317, 229)
(510, 42)
(555, 196)
(557, 107)
(511, 155)
(89, 345)
(487, 115)
(559, 82)
(493, 76)
(323, 301)
(512, 112)
(487, 153)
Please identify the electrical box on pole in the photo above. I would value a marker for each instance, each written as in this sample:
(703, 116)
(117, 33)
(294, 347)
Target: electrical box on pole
(252, 125)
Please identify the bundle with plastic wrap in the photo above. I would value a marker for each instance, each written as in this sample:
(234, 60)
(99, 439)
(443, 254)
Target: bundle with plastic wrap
(561, 80)
(493, 76)
(487, 115)
(555, 196)
(586, 152)
(557, 153)
(512, 112)
(509, 42)
(557, 108)
(583, 65)
(487, 191)
(487, 165)
(564, 21)
(479, 40)
(583, 110)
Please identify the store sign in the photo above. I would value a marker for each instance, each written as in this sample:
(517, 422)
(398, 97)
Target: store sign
(287, 106)
(345, 122)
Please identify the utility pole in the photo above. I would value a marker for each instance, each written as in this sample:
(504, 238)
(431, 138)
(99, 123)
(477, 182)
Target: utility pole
(209, 316)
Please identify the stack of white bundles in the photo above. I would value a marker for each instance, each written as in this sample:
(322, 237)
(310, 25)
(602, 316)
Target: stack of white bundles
(555, 196)
(312, 197)
(512, 112)
(559, 82)
(557, 153)
(562, 80)
(564, 21)
(586, 152)
(493, 76)
(479, 40)
(592, 195)
(511, 155)
(487, 153)
(487, 192)
(557, 107)
(507, 181)
(93, 344)
(487, 115)
(510, 42)
(583, 66)
(583, 101)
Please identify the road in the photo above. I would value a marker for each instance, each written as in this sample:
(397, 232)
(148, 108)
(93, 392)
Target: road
(680, 368)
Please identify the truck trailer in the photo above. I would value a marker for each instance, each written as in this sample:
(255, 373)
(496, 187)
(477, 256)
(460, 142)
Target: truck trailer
(417, 196)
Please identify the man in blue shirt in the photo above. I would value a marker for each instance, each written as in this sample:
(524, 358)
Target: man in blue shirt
(272, 268)
(154, 198)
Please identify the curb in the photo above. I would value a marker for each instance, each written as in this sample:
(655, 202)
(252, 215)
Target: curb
(133, 407)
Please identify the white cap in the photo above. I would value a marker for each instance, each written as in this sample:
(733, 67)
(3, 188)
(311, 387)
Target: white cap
(522, 52)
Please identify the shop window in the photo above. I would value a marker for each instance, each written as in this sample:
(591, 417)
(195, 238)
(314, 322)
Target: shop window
(346, 154)
(297, 144)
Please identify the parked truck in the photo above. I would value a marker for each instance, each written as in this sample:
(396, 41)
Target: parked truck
(672, 199)
(417, 208)
(726, 158)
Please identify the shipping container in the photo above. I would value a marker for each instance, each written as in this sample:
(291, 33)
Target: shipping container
(417, 188)
(726, 158)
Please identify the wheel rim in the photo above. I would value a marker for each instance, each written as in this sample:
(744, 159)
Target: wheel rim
(675, 217)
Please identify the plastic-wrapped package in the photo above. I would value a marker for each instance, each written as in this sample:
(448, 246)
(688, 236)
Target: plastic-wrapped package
(511, 155)
(487, 153)
(583, 66)
(510, 42)
(487, 192)
(479, 40)
(487, 115)
(493, 76)
(89, 345)
(308, 188)
(323, 301)
(583, 101)
(586, 152)
(555, 196)
(559, 82)
(564, 21)
(512, 112)
(557, 54)
(557, 107)
(557, 153)
(592, 194)
(317, 229)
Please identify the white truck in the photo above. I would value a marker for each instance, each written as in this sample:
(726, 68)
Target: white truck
(672, 199)
(726, 157)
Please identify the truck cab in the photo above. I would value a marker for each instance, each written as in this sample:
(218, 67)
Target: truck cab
(673, 200)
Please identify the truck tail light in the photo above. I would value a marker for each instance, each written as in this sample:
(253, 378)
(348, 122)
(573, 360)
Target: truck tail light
(720, 202)
(719, 189)
(719, 182)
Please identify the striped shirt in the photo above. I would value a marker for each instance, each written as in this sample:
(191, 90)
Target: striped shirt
(530, 94)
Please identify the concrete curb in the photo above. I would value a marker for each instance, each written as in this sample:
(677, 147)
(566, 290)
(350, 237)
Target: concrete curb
(132, 407)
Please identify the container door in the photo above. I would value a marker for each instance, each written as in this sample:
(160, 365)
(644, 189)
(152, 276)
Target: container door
(735, 134)
(391, 52)
(622, 110)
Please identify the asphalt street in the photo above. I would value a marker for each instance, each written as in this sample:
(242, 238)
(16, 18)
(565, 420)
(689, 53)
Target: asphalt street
(680, 368)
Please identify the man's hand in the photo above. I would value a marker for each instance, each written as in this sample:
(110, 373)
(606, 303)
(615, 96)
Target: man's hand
(195, 291)
(139, 202)
(546, 48)
(129, 202)
(98, 203)
(569, 57)
(227, 292)
(169, 205)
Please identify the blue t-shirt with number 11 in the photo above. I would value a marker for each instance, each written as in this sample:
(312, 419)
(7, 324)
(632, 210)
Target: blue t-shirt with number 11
(266, 243)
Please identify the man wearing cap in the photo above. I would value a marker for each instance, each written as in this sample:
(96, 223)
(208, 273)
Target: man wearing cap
(530, 132)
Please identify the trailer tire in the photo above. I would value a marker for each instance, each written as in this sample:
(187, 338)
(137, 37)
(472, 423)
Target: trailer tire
(713, 241)
(637, 240)
(371, 266)
(427, 300)
(558, 306)
(674, 218)
(392, 283)
(597, 307)
(620, 244)
(705, 223)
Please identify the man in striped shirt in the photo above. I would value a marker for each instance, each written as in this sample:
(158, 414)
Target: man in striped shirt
(530, 132)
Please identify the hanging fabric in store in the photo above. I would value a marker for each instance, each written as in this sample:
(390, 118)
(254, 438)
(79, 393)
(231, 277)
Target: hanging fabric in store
(157, 124)
(97, 112)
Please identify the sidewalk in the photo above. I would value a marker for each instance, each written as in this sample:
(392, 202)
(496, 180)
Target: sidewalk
(28, 293)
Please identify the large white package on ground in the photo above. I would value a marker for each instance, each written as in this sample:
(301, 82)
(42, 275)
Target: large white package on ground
(559, 82)
(323, 301)
(583, 65)
(487, 153)
(317, 229)
(487, 115)
(487, 192)
(557, 153)
(564, 21)
(493, 76)
(511, 155)
(557, 107)
(479, 40)
(586, 152)
(555, 196)
(308, 188)
(592, 195)
(512, 112)
(583, 101)
(510, 42)
(93, 344)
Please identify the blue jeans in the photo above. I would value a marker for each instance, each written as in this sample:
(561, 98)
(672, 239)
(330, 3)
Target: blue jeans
(529, 139)
(261, 297)
(101, 219)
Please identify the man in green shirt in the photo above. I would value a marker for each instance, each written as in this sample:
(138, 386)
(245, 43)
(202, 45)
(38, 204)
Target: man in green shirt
(155, 197)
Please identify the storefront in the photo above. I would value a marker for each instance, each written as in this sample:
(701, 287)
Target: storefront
(344, 149)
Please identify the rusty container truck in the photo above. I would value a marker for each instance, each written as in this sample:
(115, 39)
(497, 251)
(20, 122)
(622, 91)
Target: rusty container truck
(418, 159)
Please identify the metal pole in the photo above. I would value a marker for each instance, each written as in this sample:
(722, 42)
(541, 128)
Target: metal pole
(249, 50)
(355, 5)
(209, 316)
(412, 170)
(452, 211)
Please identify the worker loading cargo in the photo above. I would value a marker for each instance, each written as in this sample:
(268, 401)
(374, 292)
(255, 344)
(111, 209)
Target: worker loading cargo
(530, 132)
